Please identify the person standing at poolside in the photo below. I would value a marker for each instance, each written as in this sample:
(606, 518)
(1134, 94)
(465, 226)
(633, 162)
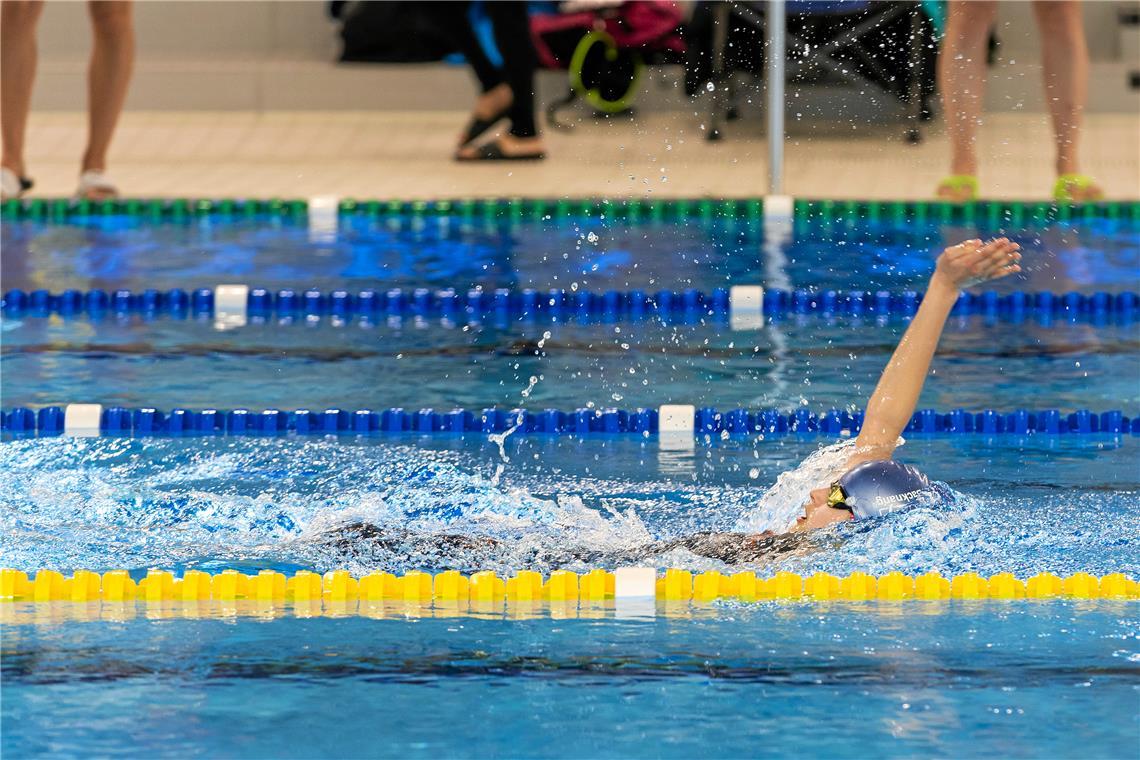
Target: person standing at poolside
(962, 79)
(507, 92)
(109, 74)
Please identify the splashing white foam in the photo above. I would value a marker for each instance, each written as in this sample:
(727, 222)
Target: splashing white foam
(109, 503)
(784, 500)
(500, 439)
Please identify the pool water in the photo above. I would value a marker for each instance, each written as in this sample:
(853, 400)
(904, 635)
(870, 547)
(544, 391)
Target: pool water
(728, 679)
(1013, 679)
(788, 365)
(589, 252)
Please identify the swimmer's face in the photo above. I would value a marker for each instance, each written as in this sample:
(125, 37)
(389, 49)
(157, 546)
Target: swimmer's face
(818, 515)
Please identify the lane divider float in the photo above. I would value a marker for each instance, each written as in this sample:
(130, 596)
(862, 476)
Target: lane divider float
(82, 420)
(559, 586)
(671, 419)
(746, 305)
(324, 218)
(231, 306)
(993, 213)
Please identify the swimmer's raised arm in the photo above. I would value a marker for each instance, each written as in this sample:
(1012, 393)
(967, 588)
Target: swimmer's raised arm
(896, 396)
(859, 492)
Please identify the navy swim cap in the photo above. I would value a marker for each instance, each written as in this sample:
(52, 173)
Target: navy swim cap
(875, 488)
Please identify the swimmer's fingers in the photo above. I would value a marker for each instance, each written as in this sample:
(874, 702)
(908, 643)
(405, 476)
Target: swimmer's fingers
(975, 258)
(1005, 269)
(957, 253)
(1001, 260)
(997, 258)
(972, 261)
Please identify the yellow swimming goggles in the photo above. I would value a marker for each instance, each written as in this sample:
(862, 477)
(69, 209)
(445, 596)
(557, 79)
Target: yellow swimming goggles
(837, 497)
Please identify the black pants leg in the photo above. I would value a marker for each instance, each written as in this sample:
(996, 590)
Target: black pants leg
(453, 18)
(512, 35)
(511, 26)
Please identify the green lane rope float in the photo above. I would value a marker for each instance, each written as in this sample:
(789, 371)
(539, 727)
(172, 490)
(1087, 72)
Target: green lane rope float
(991, 213)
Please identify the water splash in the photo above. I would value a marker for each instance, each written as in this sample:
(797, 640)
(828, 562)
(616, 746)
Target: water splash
(784, 500)
(108, 503)
(500, 439)
(917, 540)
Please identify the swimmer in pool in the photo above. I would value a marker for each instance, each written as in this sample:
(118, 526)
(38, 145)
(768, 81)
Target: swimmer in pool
(870, 484)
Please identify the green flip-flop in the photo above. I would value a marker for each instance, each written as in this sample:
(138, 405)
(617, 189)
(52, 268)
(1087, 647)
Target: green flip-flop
(960, 182)
(1066, 184)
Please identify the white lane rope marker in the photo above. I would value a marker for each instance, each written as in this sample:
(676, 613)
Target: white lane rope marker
(324, 218)
(745, 307)
(231, 306)
(82, 420)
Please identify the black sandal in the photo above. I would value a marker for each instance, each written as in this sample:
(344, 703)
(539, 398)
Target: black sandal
(477, 127)
(492, 151)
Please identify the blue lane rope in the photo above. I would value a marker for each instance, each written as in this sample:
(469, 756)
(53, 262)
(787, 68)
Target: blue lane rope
(49, 421)
(478, 305)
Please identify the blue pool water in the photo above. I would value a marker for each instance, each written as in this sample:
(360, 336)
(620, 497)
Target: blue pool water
(953, 679)
(589, 252)
(788, 365)
(1015, 680)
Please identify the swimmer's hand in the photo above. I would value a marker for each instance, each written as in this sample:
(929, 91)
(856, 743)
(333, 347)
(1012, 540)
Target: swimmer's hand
(972, 262)
(896, 396)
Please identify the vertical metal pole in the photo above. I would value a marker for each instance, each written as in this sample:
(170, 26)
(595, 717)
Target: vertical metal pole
(777, 31)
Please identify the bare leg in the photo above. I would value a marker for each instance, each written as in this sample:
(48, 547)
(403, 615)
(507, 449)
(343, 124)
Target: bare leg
(112, 59)
(1065, 58)
(962, 80)
(18, 20)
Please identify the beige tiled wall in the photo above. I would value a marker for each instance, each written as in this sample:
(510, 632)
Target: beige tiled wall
(202, 30)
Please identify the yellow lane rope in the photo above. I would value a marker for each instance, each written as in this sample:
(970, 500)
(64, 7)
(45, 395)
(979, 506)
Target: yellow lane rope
(562, 586)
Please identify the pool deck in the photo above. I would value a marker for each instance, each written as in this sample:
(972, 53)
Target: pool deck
(406, 155)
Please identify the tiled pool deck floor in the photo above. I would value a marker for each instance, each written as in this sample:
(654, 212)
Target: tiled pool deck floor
(406, 155)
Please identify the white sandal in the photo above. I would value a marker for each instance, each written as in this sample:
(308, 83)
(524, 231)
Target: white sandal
(12, 185)
(95, 180)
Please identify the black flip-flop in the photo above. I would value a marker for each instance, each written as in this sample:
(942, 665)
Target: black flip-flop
(477, 127)
(492, 151)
